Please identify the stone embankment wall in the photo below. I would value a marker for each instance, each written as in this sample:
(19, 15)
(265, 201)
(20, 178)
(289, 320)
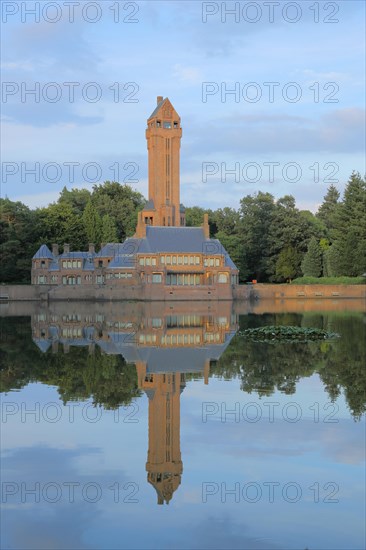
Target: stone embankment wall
(286, 291)
(240, 293)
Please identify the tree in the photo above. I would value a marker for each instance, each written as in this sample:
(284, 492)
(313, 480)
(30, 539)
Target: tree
(327, 212)
(121, 203)
(194, 216)
(92, 223)
(311, 266)
(109, 230)
(288, 264)
(350, 230)
(256, 215)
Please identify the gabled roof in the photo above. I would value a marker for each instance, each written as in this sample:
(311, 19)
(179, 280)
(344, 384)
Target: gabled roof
(155, 111)
(43, 252)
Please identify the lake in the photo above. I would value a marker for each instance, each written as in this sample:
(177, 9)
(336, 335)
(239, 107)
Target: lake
(158, 425)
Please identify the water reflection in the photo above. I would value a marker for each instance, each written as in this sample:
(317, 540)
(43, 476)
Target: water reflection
(113, 355)
(165, 343)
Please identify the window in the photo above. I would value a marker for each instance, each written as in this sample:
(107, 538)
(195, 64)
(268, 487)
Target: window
(197, 260)
(174, 260)
(142, 261)
(191, 260)
(223, 278)
(211, 262)
(147, 261)
(54, 279)
(157, 278)
(180, 260)
(217, 262)
(153, 261)
(158, 123)
(168, 260)
(43, 263)
(167, 124)
(162, 259)
(42, 279)
(185, 260)
(100, 263)
(175, 124)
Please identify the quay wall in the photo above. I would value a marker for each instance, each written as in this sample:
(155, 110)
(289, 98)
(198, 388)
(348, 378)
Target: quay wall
(105, 293)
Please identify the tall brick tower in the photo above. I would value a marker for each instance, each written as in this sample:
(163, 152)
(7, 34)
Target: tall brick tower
(163, 136)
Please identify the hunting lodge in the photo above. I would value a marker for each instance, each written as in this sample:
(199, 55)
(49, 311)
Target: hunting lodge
(164, 256)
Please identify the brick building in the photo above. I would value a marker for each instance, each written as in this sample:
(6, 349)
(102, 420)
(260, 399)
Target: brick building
(164, 256)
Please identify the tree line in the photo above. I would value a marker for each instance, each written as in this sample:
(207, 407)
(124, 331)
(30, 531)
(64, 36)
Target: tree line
(269, 239)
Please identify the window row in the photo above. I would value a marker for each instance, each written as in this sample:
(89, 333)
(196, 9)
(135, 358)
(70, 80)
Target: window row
(119, 276)
(183, 279)
(172, 339)
(211, 262)
(71, 264)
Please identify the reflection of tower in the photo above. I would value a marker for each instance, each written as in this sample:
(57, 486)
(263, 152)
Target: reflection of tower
(164, 465)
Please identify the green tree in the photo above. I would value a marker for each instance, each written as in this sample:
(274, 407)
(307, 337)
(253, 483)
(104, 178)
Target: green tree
(328, 210)
(109, 230)
(288, 264)
(194, 216)
(92, 223)
(311, 266)
(350, 231)
(121, 203)
(256, 216)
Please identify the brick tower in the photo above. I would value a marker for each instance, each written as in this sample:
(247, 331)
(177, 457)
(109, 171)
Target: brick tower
(163, 135)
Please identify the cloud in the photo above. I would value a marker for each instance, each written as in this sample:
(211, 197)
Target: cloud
(340, 131)
(186, 74)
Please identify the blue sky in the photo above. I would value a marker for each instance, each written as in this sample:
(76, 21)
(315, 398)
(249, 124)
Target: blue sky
(170, 51)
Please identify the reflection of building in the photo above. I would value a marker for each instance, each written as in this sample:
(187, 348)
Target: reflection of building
(166, 343)
(164, 257)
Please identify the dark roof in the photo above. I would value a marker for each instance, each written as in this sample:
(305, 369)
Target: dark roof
(157, 108)
(149, 205)
(178, 359)
(177, 239)
(43, 252)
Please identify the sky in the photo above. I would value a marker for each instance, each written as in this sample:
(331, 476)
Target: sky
(270, 95)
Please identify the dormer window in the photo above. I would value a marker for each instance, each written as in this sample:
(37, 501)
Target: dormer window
(167, 124)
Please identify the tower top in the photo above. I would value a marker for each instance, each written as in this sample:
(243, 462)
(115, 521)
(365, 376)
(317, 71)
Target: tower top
(165, 110)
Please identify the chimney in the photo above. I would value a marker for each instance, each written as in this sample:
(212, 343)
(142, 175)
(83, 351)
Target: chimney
(55, 251)
(91, 248)
(206, 227)
(141, 227)
(159, 99)
(66, 248)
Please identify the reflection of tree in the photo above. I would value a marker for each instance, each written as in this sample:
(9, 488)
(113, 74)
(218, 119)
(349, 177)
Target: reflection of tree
(264, 368)
(107, 379)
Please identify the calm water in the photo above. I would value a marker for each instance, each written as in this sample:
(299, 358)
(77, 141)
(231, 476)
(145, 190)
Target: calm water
(157, 426)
